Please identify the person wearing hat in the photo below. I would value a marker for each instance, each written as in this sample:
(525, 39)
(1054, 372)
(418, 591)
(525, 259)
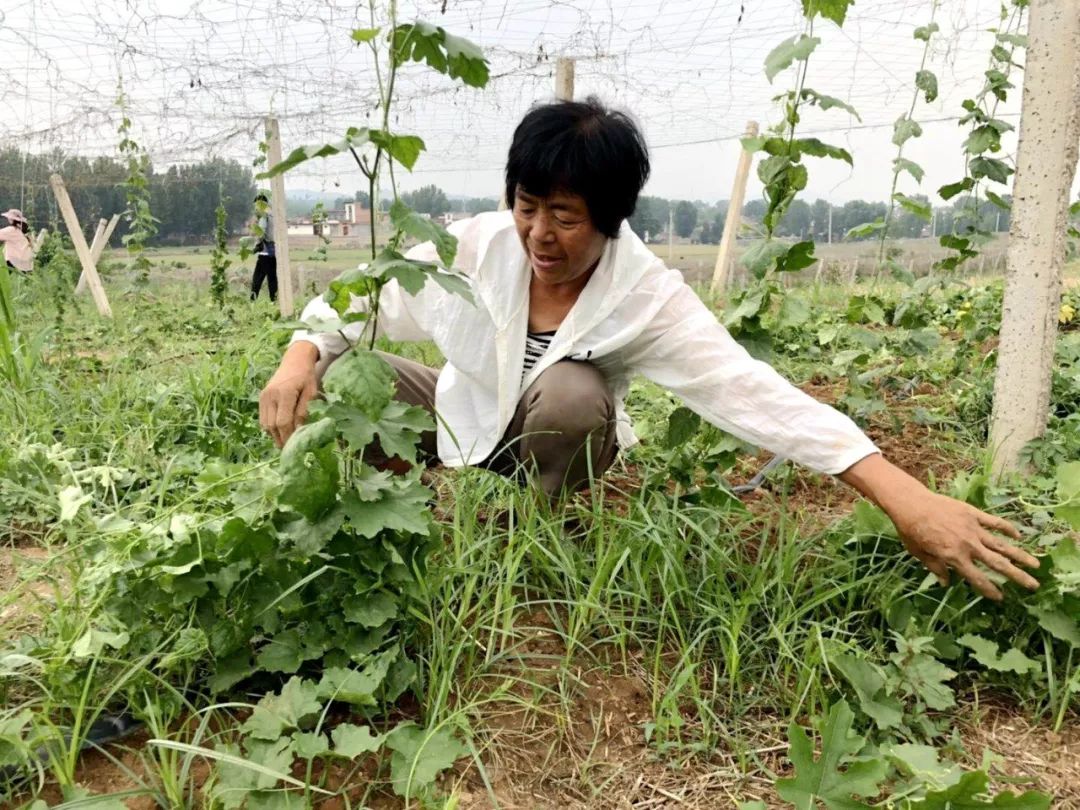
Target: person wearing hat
(266, 261)
(18, 250)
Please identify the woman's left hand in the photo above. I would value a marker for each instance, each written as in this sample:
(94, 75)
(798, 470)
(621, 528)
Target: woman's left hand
(942, 532)
(945, 534)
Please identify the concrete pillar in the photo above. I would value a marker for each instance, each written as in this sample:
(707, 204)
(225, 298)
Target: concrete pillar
(1045, 166)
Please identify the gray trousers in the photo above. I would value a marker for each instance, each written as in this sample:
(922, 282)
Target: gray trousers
(562, 432)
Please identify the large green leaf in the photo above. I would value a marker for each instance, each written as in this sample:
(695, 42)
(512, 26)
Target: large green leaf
(924, 32)
(869, 684)
(361, 380)
(446, 53)
(424, 229)
(351, 741)
(991, 169)
(403, 508)
(972, 791)
(682, 425)
(793, 49)
(420, 755)
(950, 190)
(927, 82)
(405, 149)
(309, 470)
(817, 148)
(909, 166)
(904, 129)
(828, 102)
(275, 714)
(834, 10)
(919, 208)
(1068, 493)
(1057, 623)
(835, 778)
(986, 653)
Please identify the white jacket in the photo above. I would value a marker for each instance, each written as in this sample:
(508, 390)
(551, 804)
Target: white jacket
(635, 316)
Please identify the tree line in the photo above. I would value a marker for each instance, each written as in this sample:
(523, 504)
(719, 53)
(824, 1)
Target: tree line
(704, 222)
(182, 198)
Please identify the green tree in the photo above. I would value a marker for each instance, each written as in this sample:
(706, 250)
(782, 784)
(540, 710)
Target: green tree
(479, 205)
(796, 220)
(649, 217)
(685, 218)
(427, 200)
(819, 216)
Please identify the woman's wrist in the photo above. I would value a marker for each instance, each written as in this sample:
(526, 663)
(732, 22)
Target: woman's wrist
(882, 482)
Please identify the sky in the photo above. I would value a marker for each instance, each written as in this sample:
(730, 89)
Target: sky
(198, 76)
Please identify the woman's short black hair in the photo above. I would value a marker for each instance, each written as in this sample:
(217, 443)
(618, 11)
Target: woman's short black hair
(584, 148)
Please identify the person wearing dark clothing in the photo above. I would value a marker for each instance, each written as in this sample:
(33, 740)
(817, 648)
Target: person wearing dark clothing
(266, 260)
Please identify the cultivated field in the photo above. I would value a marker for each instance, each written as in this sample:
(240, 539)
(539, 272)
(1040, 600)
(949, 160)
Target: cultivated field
(646, 646)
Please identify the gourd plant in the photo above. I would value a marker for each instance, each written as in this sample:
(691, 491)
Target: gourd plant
(142, 226)
(984, 141)
(219, 256)
(319, 225)
(307, 569)
(784, 175)
(906, 128)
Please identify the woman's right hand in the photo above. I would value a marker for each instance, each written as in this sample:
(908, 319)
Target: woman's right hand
(283, 403)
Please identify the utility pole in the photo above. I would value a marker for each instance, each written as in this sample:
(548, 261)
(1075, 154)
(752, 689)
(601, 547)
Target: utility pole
(830, 223)
(734, 213)
(1045, 165)
(279, 212)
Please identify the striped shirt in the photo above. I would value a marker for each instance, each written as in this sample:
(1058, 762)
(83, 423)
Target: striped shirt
(536, 346)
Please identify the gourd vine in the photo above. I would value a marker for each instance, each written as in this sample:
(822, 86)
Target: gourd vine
(141, 224)
(906, 128)
(784, 175)
(219, 256)
(319, 225)
(984, 141)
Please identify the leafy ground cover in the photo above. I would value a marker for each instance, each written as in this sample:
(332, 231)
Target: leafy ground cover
(660, 642)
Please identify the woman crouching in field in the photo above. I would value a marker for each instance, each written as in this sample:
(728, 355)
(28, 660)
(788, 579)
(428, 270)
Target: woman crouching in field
(569, 306)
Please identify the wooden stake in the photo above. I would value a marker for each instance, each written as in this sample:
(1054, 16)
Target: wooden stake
(39, 240)
(564, 79)
(734, 213)
(281, 224)
(1045, 165)
(81, 248)
(97, 247)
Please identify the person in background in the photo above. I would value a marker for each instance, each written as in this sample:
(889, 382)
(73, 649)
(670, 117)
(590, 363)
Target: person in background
(18, 249)
(266, 260)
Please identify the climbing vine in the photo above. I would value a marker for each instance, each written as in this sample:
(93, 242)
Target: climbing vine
(219, 257)
(783, 175)
(983, 143)
(141, 224)
(906, 128)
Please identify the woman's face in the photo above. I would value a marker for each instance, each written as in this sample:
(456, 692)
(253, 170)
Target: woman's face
(558, 235)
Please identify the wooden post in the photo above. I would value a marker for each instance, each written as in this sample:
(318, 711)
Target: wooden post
(819, 271)
(281, 223)
(1045, 165)
(81, 248)
(81, 285)
(564, 79)
(97, 247)
(734, 212)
